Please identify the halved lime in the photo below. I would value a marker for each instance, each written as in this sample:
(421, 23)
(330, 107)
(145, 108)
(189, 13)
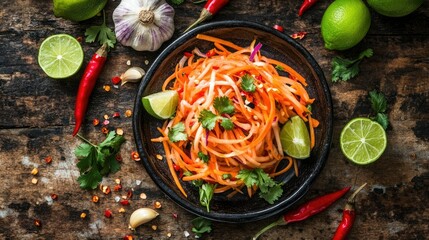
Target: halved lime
(295, 138)
(161, 105)
(363, 140)
(60, 56)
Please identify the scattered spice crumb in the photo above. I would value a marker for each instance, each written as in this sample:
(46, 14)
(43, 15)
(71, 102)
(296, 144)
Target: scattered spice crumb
(118, 181)
(37, 223)
(119, 131)
(105, 189)
(121, 210)
(157, 205)
(83, 215)
(128, 237)
(106, 116)
(34, 181)
(135, 156)
(143, 196)
(169, 234)
(106, 122)
(138, 182)
(105, 130)
(117, 199)
(298, 35)
(159, 156)
(95, 199)
(154, 227)
(117, 187)
(106, 88)
(186, 233)
(48, 159)
(35, 171)
(108, 213)
(54, 196)
(124, 202)
(118, 157)
(130, 194)
(128, 113)
(116, 115)
(95, 122)
(129, 62)
(175, 216)
(116, 80)
(146, 62)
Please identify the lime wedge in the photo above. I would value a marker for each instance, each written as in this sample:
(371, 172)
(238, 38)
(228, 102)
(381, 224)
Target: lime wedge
(295, 138)
(161, 105)
(363, 140)
(60, 56)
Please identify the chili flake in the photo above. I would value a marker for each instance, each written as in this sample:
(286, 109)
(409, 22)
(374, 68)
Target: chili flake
(121, 210)
(130, 193)
(108, 213)
(128, 113)
(35, 171)
(83, 215)
(116, 115)
(95, 199)
(48, 159)
(95, 122)
(105, 130)
(54, 196)
(106, 88)
(278, 28)
(106, 122)
(135, 156)
(117, 187)
(124, 202)
(298, 35)
(128, 237)
(116, 80)
(37, 223)
(105, 189)
(118, 157)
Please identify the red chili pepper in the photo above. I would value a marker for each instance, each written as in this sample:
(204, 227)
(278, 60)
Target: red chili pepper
(306, 5)
(278, 28)
(87, 84)
(306, 210)
(210, 9)
(349, 215)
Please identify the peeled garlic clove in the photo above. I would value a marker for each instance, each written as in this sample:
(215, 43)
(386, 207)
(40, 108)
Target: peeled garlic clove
(141, 216)
(133, 74)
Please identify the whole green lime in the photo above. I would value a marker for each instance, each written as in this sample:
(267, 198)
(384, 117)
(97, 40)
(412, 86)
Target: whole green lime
(78, 10)
(395, 8)
(344, 24)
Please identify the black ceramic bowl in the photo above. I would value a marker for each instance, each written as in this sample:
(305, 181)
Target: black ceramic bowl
(239, 208)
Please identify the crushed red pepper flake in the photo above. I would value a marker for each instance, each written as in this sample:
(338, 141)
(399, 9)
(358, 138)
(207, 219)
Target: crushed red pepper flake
(83, 215)
(124, 202)
(95, 122)
(35, 171)
(116, 80)
(48, 159)
(105, 130)
(157, 205)
(116, 115)
(117, 187)
(79, 39)
(37, 222)
(106, 88)
(54, 196)
(105, 189)
(108, 213)
(135, 156)
(130, 194)
(128, 113)
(278, 28)
(298, 35)
(118, 158)
(128, 237)
(95, 199)
(175, 216)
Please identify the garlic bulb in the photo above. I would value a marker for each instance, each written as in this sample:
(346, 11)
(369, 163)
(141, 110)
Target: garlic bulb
(143, 24)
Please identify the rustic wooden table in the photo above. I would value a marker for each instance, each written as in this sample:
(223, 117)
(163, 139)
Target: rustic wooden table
(36, 121)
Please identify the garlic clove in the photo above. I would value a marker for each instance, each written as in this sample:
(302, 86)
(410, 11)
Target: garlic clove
(141, 216)
(133, 74)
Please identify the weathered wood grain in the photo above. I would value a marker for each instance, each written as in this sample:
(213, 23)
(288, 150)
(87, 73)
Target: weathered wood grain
(36, 121)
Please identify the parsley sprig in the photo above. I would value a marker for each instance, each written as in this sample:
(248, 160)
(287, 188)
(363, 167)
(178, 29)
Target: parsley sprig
(223, 105)
(96, 161)
(102, 33)
(379, 107)
(270, 191)
(344, 69)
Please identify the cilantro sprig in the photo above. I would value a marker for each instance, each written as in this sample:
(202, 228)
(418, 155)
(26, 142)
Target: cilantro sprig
(201, 225)
(248, 83)
(223, 105)
(206, 192)
(96, 161)
(344, 69)
(177, 132)
(379, 107)
(270, 191)
(102, 33)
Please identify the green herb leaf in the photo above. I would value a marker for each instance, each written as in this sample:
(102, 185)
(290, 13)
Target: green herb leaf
(102, 33)
(177, 133)
(280, 68)
(382, 119)
(201, 226)
(223, 105)
(248, 83)
(177, 2)
(206, 194)
(203, 157)
(96, 161)
(226, 176)
(345, 69)
(208, 119)
(227, 123)
(378, 101)
(270, 191)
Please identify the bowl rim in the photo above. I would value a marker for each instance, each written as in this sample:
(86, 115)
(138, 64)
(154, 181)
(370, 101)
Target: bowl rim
(271, 210)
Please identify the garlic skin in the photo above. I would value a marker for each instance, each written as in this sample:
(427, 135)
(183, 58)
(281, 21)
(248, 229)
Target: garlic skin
(141, 216)
(143, 24)
(133, 74)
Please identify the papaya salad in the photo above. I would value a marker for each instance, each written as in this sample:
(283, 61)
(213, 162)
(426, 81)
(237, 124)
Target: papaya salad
(224, 136)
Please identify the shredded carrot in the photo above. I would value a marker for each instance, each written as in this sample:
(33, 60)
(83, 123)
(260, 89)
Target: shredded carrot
(254, 139)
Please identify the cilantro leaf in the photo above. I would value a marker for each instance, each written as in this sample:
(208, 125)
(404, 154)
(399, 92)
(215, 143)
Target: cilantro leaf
(203, 157)
(280, 68)
(223, 105)
(227, 123)
(177, 133)
(96, 161)
(345, 69)
(378, 101)
(102, 33)
(177, 2)
(248, 83)
(379, 107)
(270, 191)
(201, 225)
(208, 119)
(206, 192)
